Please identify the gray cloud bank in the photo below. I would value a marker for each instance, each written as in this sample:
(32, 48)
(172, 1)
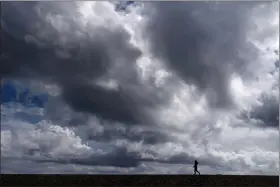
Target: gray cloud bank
(203, 43)
(75, 66)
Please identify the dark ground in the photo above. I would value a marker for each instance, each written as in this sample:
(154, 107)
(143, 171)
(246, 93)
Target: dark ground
(138, 180)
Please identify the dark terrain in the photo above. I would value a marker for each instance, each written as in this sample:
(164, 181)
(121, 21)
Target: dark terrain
(138, 180)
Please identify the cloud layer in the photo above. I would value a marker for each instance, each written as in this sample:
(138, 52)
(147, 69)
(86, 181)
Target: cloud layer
(143, 86)
(203, 44)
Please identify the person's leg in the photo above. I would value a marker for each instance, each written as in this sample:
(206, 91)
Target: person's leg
(198, 172)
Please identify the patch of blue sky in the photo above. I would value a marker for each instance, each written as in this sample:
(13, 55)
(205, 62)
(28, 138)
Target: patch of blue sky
(26, 97)
(11, 97)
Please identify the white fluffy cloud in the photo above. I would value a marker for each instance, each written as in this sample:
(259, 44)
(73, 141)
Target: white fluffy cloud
(182, 128)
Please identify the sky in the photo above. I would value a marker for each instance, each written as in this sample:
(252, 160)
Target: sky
(146, 87)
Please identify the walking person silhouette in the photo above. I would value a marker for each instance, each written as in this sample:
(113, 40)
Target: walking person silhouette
(195, 167)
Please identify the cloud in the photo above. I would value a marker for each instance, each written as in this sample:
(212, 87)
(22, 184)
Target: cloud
(126, 97)
(267, 113)
(119, 158)
(86, 61)
(204, 44)
(83, 63)
(112, 105)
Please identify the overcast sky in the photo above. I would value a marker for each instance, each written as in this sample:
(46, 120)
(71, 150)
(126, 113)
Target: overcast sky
(100, 87)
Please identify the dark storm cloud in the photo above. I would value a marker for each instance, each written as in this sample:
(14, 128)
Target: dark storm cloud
(267, 113)
(75, 66)
(201, 42)
(264, 115)
(121, 157)
(145, 136)
(112, 105)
